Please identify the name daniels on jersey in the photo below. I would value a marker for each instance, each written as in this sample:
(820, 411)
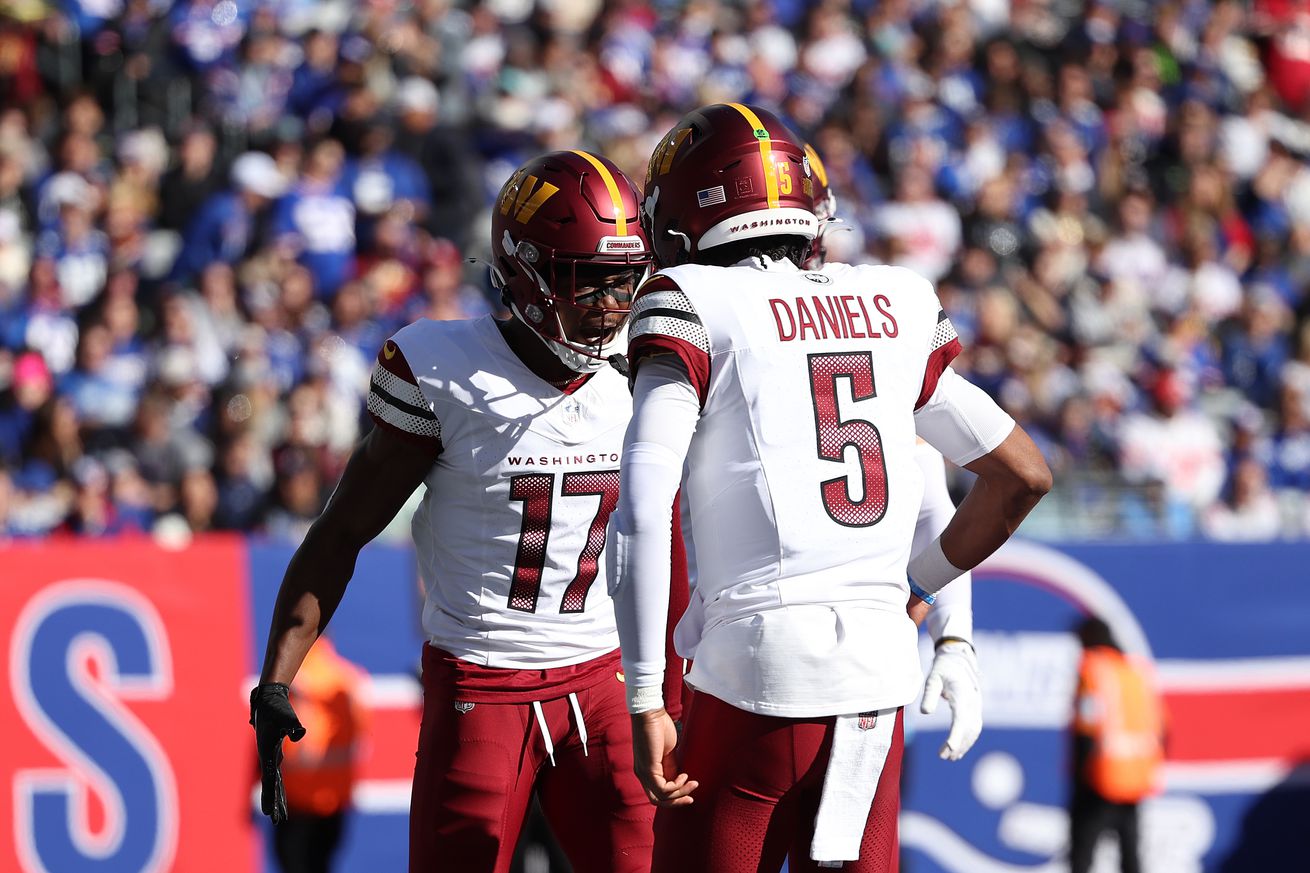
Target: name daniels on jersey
(844, 316)
(561, 460)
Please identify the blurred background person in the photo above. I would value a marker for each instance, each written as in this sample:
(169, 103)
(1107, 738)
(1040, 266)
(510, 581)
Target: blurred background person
(1116, 208)
(319, 772)
(1118, 748)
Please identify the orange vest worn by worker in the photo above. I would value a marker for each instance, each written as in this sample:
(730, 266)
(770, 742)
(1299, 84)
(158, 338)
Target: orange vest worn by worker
(1119, 709)
(319, 771)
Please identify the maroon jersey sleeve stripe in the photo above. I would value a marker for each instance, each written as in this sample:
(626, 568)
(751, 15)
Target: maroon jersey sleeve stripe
(694, 359)
(426, 442)
(392, 359)
(938, 361)
(395, 401)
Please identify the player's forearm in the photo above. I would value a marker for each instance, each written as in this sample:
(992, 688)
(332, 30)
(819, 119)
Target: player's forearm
(665, 410)
(985, 520)
(951, 615)
(314, 584)
(642, 540)
(1011, 480)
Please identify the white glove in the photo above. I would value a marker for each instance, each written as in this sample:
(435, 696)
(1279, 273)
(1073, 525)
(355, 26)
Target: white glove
(954, 675)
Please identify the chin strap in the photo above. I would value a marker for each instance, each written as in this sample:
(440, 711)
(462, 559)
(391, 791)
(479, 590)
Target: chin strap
(576, 360)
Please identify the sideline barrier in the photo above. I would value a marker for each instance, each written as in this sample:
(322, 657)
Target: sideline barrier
(1229, 630)
(125, 746)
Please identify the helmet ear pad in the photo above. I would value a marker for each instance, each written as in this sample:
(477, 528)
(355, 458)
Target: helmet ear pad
(680, 250)
(520, 291)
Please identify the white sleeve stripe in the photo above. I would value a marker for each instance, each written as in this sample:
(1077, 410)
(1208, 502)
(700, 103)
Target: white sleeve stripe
(405, 392)
(664, 300)
(678, 328)
(401, 420)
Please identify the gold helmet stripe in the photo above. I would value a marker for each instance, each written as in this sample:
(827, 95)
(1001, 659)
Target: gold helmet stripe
(766, 152)
(620, 214)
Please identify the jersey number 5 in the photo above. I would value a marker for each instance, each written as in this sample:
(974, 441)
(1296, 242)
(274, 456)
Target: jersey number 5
(835, 435)
(537, 491)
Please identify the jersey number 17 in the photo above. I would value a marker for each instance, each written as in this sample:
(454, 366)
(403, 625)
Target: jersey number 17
(537, 492)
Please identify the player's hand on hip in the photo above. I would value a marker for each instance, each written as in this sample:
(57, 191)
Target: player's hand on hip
(654, 737)
(274, 719)
(954, 675)
(918, 609)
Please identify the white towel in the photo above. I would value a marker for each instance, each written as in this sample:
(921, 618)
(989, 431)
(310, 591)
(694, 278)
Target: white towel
(860, 744)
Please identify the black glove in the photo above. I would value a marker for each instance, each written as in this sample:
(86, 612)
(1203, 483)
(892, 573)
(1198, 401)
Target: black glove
(273, 718)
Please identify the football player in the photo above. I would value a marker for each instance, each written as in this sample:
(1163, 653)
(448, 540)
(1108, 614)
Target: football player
(793, 398)
(954, 672)
(516, 429)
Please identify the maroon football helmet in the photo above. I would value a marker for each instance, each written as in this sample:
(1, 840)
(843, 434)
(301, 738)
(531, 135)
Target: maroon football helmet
(724, 173)
(562, 222)
(825, 208)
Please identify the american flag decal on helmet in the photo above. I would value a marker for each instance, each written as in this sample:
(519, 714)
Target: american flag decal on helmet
(710, 196)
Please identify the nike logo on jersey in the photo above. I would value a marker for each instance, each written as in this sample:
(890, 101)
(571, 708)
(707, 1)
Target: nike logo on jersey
(832, 317)
(619, 676)
(389, 350)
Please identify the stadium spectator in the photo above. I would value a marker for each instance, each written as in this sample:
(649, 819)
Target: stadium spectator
(1118, 189)
(222, 229)
(31, 388)
(1175, 444)
(316, 222)
(449, 165)
(1250, 513)
(193, 179)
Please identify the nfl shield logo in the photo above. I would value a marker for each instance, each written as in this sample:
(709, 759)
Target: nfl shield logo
(463, 707)
(868, 720)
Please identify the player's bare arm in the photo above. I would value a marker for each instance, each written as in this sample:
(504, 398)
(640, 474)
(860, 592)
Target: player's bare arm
(382, 473)
(1012, 478)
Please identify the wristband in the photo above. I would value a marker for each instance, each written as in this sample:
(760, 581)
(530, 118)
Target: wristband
(645, 699)
(930, 570)
(944, 640)
(918, 592)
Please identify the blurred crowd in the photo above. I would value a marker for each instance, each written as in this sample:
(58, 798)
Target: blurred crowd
(213, 213)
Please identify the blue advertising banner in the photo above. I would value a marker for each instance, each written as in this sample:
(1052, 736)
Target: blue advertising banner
(1227, 627)
(377, 627)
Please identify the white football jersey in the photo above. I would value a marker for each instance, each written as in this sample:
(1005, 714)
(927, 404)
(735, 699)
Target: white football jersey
(801, 481)
(510, 530)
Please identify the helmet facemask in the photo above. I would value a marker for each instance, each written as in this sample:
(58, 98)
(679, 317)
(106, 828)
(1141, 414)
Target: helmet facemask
(567, 312)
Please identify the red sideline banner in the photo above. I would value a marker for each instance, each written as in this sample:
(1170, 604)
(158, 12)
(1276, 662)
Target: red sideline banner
(122, 726)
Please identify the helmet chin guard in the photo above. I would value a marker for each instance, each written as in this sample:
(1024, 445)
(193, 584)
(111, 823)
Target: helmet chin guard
(544, 320)
(578, 358)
